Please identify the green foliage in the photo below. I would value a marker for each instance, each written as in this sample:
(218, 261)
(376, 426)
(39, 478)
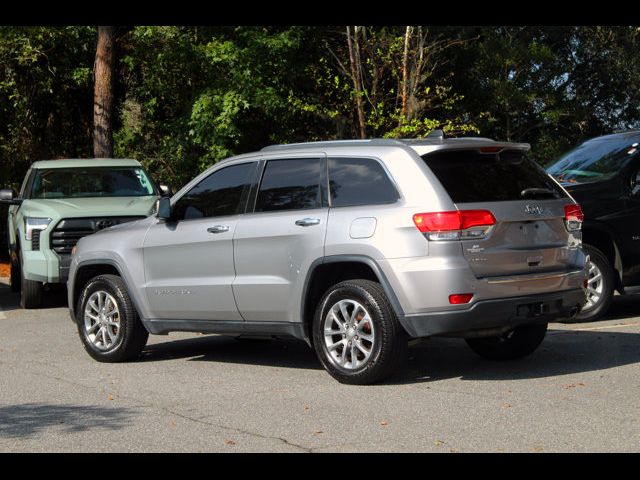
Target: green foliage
(186, 97)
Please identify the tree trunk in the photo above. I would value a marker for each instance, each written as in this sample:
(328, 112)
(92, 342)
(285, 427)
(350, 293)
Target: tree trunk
(103, 94)
(357, 86)
(405, 77)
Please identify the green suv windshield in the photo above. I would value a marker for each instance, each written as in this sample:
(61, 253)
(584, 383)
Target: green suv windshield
(594, 161)
(91, 182)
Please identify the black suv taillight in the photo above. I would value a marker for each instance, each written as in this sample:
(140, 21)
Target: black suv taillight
(573, 217)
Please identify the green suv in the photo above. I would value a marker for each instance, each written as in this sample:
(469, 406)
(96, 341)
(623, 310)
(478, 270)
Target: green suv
(62, 201)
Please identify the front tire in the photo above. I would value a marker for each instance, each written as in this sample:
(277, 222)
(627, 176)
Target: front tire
(15, 276)
(30, 291)
(108, 324)
(356, 333)
(600, 287)
(517, 343)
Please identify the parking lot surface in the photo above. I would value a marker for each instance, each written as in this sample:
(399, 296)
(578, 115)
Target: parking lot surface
(579, 392)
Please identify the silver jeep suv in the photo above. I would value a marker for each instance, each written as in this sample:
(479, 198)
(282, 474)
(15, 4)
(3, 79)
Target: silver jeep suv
(353, 246)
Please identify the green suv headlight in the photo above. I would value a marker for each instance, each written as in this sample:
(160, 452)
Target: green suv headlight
(33, 223)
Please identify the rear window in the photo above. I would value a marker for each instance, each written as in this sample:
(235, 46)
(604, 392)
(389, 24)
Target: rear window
(470, 176)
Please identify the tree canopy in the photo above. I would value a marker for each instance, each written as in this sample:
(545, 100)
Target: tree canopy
(187, 97)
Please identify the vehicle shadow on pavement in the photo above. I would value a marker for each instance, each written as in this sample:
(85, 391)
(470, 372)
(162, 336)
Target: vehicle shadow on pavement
(563, 352)
(28, 419)
(283, 353)
(567, 349)
(54, 296)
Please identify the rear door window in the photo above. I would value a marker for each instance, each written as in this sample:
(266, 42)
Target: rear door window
(359, 181)
(470, 176)
(292, 184)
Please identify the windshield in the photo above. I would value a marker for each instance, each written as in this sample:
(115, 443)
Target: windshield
(594, 161)
(91, 182)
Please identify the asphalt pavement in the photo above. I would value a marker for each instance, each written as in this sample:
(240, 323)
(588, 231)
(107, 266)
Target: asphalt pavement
(579, 392)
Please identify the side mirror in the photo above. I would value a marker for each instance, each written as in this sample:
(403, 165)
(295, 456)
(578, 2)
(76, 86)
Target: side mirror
(165, 191)
(8, 195)
(164, 208)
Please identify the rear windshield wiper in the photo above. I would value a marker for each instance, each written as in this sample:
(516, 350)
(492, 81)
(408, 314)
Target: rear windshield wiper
(537, 192)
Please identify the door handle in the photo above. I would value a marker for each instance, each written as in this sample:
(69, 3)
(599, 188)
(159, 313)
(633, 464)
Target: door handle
(218, 229)
(307, 222)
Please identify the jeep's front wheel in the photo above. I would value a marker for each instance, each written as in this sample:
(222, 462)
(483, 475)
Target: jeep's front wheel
(517, 343)
(356, 334)
(108, 324)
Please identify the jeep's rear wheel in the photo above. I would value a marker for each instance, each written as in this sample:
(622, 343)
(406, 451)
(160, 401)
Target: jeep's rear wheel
(30, 292)
(356, 334)
(517, 343)
(108, 324)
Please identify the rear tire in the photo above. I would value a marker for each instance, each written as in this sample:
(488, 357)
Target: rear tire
(30, 292)
(601, 286)
(517, 343)
(369, 343)
(107, 321)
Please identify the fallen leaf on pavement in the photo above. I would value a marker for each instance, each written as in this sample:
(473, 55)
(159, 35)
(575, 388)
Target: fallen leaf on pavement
(506, 405)
(439, 443)
(229, 442)
(384, 423)
(110, 397)
(318, 432)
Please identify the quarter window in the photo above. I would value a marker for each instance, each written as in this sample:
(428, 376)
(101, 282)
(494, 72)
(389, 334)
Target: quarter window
(219, 194)
(290, 185)
(359, 181)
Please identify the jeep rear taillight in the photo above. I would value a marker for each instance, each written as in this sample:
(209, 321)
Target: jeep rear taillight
(573, 217)
(454, 225)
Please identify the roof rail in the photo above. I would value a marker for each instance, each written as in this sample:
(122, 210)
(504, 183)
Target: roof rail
(374, 142)
(433, 138)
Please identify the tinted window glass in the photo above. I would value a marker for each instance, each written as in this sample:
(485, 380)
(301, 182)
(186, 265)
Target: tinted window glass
(470, 176)
(359, 181)
(218, 194)
(290, 185)
(594, 161)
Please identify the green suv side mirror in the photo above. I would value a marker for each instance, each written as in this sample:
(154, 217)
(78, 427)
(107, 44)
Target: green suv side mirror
(164, 208)
(9, 196)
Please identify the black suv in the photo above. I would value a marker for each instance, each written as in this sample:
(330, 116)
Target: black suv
(603, 176)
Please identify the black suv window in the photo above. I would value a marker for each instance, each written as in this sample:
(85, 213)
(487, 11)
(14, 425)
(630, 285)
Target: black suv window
(218, 194)
(359, 181)
(472, 176)
(290, 185)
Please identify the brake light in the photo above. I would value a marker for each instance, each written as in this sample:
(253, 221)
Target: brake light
(454, 225)
(458, 298)
(573, 217)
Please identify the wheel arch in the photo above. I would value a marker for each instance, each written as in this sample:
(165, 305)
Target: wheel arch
(89, 269)
(330, 270)
(599, 237)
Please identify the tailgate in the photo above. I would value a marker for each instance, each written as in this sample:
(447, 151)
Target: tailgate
(528, 237)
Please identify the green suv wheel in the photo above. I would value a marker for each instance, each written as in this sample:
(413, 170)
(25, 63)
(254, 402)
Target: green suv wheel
(30, 292)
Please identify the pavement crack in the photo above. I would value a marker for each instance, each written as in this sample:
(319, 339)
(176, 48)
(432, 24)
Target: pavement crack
(239, 430)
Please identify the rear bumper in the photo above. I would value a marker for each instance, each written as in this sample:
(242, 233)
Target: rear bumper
(496, 314)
